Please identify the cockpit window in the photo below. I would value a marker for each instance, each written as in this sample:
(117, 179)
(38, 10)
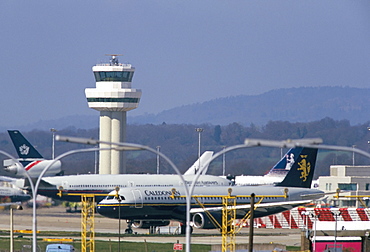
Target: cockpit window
(110, 197)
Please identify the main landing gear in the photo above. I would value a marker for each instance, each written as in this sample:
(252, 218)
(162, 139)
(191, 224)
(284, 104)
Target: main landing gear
(183, 228)
(128, 230)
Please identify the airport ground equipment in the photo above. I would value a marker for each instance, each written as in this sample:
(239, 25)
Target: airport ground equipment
(87, 218)
(227, 226)
(113, 96)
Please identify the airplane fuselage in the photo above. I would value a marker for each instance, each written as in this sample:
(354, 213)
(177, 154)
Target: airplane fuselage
(34, 167)
(155, 203)
(104, 184)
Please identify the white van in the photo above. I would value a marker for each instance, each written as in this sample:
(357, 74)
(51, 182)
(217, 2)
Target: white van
(59, 248)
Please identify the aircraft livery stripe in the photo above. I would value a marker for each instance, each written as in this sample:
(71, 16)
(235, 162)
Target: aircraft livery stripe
(29, 166)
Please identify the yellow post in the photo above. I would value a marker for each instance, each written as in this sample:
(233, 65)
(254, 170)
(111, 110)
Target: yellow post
(87, 224)
(87, 218)
(228, 218)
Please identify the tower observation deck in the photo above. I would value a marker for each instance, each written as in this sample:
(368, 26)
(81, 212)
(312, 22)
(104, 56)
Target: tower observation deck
(113, 96)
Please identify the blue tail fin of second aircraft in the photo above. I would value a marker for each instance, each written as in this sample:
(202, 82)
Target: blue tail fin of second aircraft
(282, 167)
(301, 171)
(22, 146)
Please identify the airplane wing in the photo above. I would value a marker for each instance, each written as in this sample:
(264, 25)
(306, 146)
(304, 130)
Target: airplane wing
(262, 209)
(11, 203)
(46, 184)
(7, 179)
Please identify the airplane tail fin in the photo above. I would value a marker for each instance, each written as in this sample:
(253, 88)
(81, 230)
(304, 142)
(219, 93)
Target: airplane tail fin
(22, 146)
(302, 170)
(282, 167)
(203, 159)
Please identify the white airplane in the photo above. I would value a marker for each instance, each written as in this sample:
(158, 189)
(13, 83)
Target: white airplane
(155, 204)
(9, 193)
(104, 183)
(277, 172)
(30, 158)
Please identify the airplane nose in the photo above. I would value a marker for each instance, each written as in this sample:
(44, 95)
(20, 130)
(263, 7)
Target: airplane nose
(108, 211)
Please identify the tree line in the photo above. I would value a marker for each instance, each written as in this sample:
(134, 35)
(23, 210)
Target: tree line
(179, 142)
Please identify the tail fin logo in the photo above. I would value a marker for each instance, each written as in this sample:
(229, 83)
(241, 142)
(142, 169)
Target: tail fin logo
(289, 161)
(24, 149)
(304, 167)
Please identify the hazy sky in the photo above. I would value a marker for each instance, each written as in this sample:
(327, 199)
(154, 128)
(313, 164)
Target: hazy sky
(183, 51)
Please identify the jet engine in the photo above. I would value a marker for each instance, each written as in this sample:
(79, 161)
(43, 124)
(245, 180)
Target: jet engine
(148, 223)
(202, 220)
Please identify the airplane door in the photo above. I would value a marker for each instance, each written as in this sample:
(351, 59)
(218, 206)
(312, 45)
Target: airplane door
(138, 198)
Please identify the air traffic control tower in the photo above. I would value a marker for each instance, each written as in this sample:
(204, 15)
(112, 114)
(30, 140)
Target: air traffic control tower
(113, 97)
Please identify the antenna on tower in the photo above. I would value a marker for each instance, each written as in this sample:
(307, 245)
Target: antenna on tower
(114, 60)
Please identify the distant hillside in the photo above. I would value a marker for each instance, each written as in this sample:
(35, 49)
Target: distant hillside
(303, 104)
(292, 104)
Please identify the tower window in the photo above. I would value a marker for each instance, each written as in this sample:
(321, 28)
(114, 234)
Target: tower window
(127, 99)
(121, 76)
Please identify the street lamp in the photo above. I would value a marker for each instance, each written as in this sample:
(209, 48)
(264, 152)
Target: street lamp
(353, 155)
(158, 148)
(33, 192)
(13, 207)
(130, 146)
(314, 215)
(119, 219)
(199, 130)
(53, 143)
(223, 161)
(306, 214)
(96, 160)
(335, 213)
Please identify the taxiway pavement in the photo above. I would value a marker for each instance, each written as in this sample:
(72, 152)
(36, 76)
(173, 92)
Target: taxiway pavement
(57, 219)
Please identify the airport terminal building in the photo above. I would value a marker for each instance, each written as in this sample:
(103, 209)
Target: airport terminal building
(347, 178)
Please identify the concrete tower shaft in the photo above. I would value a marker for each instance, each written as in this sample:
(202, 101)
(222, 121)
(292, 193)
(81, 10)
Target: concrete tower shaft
(113, 96)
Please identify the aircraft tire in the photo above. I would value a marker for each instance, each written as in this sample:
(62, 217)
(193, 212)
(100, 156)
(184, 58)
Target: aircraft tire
(183, 229)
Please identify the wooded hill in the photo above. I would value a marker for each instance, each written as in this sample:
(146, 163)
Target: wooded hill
(180, 143)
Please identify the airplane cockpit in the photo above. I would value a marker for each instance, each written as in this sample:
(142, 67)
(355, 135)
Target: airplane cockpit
(111, 197)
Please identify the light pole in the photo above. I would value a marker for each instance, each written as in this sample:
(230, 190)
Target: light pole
(314, 215)
(199, 130)
(96, 160)
(223, 161)
(158, 148)
(53, 143)
(314, 232)
(130, 146)
(33, 192)
(353, 155)
(119, 219)
(336, 213)
(12, 208)
(35, 186)
(306, 214)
